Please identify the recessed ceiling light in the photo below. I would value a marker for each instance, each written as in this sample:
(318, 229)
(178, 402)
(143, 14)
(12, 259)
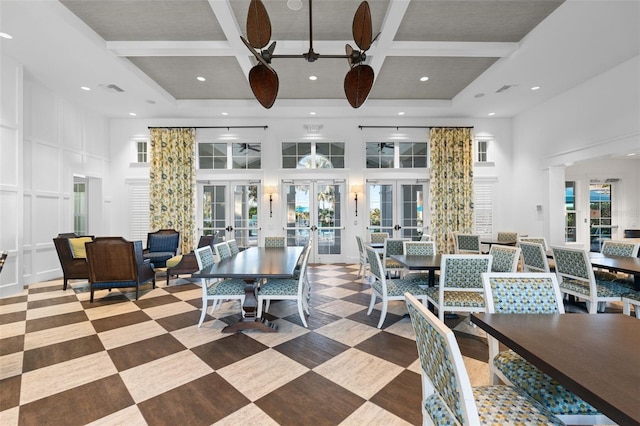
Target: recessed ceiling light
(401, 113)
(199, 78)
(535, 88)
(5, 35)
(294, 4)
(313, 77)
(478, 95)
(312, 113)
(631, 154)
(491, 114)
(225, 113)
(133, 114)
(425, 78)
(85, 88)
(151, 101)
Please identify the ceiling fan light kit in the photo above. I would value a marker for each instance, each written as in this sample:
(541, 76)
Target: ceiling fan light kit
(263, 79)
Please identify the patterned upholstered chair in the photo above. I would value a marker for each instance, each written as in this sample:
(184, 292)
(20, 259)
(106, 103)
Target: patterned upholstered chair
(447, 395)
(631, 298)
(386, 289)
(233, 246)
(425, 237)
(216, 290)
(507, 237)
(73, 256)
(392, 246)
(467, 243)
(505, 258)
(287, 289)
(537, 240)
(534, 257)
(379, 237)
(460, 287)
(419, 248)
(162, 245)
(362, 257)
(222, 251)
(117, 263)
(532, 293)
(274, 242)
(617, 248)
(576, 277)
(187, 263)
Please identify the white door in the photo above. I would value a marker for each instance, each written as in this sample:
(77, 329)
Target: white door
(398, 207)
(316, 208)
(231, 209)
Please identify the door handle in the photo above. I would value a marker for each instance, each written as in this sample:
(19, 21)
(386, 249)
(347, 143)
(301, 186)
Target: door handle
(314, 228)
(397, 227)
(229, 228)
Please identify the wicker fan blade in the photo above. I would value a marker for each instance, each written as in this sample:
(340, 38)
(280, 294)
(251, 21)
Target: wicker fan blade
(349, 50)
(357, 84)
(362, 29)
(258, 25)
(257, 55)
(264, 84)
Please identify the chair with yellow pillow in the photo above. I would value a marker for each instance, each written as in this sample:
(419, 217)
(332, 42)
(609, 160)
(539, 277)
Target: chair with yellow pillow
(73, 256)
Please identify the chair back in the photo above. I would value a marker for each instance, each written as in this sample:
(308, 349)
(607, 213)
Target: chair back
(620, 248)
(222, 251)
(204, 257)
(507, 236)
(534, 257)
(505, 258)
(420, 248)
(467, 243)
(463, 272)
(302, 277)
(274, 242)
(574, 265)
(360, 245)
(446, 389)
(379, 237)
(206, 240)
(537, 240)
(425, 237)
(111, 260)
(379, 282)
(163, 240)
(233, 246)
(522, 293)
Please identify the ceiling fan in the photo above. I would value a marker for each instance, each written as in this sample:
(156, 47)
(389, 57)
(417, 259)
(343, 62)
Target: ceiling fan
(263, 79)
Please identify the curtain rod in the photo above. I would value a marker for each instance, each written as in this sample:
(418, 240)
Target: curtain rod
(413, 127)
(210, 127)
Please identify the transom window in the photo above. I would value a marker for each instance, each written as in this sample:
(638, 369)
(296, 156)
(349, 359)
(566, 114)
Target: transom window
(396, 155)
(313, 155)
(229, 156)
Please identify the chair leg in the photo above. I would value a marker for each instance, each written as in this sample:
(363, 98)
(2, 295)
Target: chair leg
(204, 312)
(260, 304)
(267, 304)
(301, 313)
(64, 285)
(372, 303)
(383, 313)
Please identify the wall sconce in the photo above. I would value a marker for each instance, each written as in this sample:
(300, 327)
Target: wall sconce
(356, 189)
(270, 190)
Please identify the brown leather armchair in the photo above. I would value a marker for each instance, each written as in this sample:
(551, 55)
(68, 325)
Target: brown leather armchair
(188, 264)
(73, 268)
(116, 263)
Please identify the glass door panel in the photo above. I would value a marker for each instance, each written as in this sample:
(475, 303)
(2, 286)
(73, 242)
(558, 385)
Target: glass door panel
(599, 215)
(298, 220)
(329, 209)
(398, 208)
(381, 217)
(214, 209)
(245, 215)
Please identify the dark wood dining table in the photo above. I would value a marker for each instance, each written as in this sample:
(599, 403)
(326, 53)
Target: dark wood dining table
(420, 263)
(593, 356)
(624, 264)
(252, 265)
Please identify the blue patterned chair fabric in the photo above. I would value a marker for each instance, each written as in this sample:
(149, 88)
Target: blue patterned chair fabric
(274, 242)
(536, 240)
(448, 398)
(468, 243)
(222, 251)
(631, 298)
(162, 245)
(505, 258)
(233, 246)
(362, 257)
(419, 248)
(620, 248)
(379, 237)
(534, 257)
(392, 246)
(507, 236)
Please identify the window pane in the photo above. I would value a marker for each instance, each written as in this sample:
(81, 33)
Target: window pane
(205, 149)
(289, 162)
(322, 148)
(206, 163)
(288, 149)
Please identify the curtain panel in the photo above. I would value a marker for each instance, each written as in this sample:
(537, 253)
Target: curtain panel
(172, 189)
(451, 187)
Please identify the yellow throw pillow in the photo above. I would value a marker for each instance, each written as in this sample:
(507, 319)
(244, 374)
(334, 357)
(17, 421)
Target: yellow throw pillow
(77, 247)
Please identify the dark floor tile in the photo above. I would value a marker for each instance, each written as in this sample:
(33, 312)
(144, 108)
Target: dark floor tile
(13, 317)
(176, 322)
(78, 406)
(200, 402)
(134, 354)
(60, 352)
(47, 289)
(319, 299)
(52, 301)
(355, 286)
(178, 288)
(55, 321)
(106, 299)
(156, 301)
(359, 298)
(318, 319)
(311, 349)
(390, 347)
(196, 302)
(310, 400)
(11, 344)
(402, 397)
(12, 300)
(117, 321)
(226, 351)
(472, 346)
(10, 392)
(372, 320)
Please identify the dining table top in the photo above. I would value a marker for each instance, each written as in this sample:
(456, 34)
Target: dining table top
(593, 356)
(418, 262)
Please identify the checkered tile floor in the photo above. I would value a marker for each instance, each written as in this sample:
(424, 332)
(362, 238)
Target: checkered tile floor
(65, 361)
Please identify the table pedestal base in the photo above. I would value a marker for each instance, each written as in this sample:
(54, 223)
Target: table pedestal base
(259, 324)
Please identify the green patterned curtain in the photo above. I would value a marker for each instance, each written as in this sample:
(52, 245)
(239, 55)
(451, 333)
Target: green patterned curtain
(173, 182)
(451, 188)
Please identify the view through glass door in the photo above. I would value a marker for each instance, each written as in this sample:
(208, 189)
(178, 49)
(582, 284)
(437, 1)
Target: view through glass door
(316, 208)
(231, 209)
(601, 227)
(398, 208)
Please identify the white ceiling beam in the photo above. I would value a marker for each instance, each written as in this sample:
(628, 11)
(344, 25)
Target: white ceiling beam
(229, 25)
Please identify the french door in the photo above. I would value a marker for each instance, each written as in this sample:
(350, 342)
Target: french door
(316, 208)
(231, 209)
(398, 207)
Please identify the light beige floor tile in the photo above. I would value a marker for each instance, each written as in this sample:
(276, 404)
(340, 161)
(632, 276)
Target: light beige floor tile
(193, 335)
(336, 292)
(359, 372)
(164, 311)
(340, 308)
(371, 415)
(65, 375)
(415, 366)
(478, 371)
(261, 373)
(330, 281)
(248, 415)
(196, 293)
(48, 311)
(396, 307)
(130, 334)
(283, 308)
(50, 294)
(10, 417)
(46, 284)
(111, 310)
(348, 332)
(402, 328)
(14, 307)
(153, 378)
(12, 329)
(130, 416)
(11, 365)
(55, 335)
(230, 307)
(286, 331)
